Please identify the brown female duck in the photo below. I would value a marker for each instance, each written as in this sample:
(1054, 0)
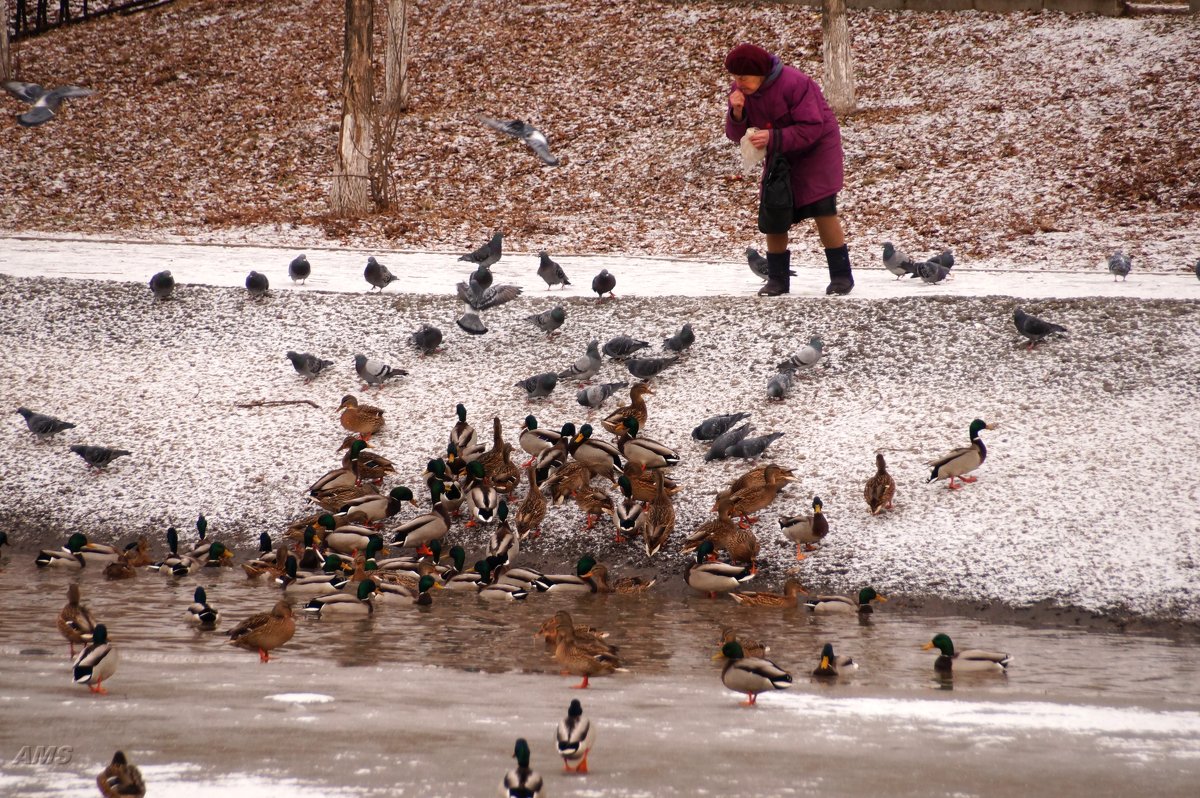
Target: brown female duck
(365, 420)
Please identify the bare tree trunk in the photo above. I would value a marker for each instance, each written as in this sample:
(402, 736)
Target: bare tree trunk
(351, 192)
(395, 73)
(839, 65)
(5, 56)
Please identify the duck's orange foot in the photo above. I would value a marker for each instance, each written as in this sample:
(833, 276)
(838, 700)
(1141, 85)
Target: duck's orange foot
(967, 479)
(263, 656)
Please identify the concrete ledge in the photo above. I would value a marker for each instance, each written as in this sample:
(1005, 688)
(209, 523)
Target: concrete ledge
(1008, 6)
(1106, 8)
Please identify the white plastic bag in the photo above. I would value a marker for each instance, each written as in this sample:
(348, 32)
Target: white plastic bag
(751, 156)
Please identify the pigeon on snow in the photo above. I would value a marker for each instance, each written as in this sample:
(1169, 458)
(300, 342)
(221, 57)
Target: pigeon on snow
(680, 340)
(779, 385)
(806, 357)
(604, 283)
(1119, 265)
(539, 384)
(98, 456)
(715, 426)
(1034, 328)
(480, 279)
(299, 269)
(646, 367)
(932, 271)
(716, 449)
(162, 285)
(483, 298)
(471, 324)
(549, 320)
(758, 264)
(596, 395)
(427, 339)
(257, 284)
(307, 365)
(623, 346)
(377, 274)
(42, 425)
(45, 103)
(551, 272)
(897, 261)
(586, 366)
(533, 138)
(489, 253)
(1196, 268)
(375, 372)
(752, 447)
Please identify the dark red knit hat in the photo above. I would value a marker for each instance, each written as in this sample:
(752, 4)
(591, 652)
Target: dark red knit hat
(748, 59)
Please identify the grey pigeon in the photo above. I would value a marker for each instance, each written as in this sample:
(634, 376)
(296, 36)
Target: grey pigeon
(594, 396)
(779, 385)
(257, 284)
(489, 253)
(715, 426)
(299, 269)
(427, 339)
(533, 138)
(943, 258)
(806, 357)
(551, 272)
(623, 346)
(932, 271)
(481, 278)
(490, 297)
(375, 372)
(897, 261)
(586, 366)
(98, 456)
(758, 264)
(604, 283)
(680, 340)
(1119, 265)
(377, 274)
(752, 447)
(471, 324)
(41, 425)
(162, 285)
(45, 103)
(539, 384)
(1034, 328)
(1196, 268)
(307, 365)
(646, 367)
(716, 450)
(549, 320)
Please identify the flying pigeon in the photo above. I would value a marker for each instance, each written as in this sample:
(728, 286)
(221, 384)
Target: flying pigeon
(377, 274)
(680, 340)
(471, 324)
(162, 285)
(41, 425)
(758, 264)
(549, 320)
(752, 447)
(604, 283)
(98, 456)
(490, 297)
(715, 426)
(299, 269)
(427, 339)
(586, 366)
(551, 272)
(897, 261)
(257, 284)
(779, 385)
(539, 384)
(1119, 265)
(1034, 328)
(806, 357)
(646, 367)
(374, 372)
(307, 365)
(932, 271)
(596, 395)
(716, 450)
(534, 139)
(623, 346)
(489, 253)
(45, 103)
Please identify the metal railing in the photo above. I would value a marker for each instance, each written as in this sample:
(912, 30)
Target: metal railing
(31, 17)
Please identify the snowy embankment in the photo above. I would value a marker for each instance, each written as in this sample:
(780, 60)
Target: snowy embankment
(1087, 498)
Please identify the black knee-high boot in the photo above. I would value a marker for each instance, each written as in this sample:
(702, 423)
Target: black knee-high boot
(778, 274)
(841, 281)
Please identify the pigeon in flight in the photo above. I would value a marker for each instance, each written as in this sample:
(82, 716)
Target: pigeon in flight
(45, 103)
(299, 269)
(551, 272)
(428, 339)
(98, 456)
(646, 367)
(489, 253)
(375, 372)
(758, 264)
(586, 366)
(752, 447)
(162, 285)
(680, 340)
(534, 139)
(713, 427)
(539, 384)
(41, 425)
(1119, 265)
(623, 346)
(716, 449)
(307, 365)
(594, 396)
(491, 297)
(548, 321)
(806, 357)
(471, 324)
(1034, 328)
(604, 283)
(897, 261)
(257, 284)
(377, 274)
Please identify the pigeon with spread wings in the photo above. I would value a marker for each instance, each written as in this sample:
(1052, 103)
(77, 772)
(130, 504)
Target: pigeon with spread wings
(533, 138)
(45, 102)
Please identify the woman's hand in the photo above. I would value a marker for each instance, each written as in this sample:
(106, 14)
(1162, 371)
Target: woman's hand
(760, 138)
(737, 102)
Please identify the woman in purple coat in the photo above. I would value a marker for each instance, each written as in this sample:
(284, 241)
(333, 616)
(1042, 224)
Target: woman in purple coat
(792, 117)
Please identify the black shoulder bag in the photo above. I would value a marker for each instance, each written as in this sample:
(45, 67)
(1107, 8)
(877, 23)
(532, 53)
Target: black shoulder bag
(775, 199)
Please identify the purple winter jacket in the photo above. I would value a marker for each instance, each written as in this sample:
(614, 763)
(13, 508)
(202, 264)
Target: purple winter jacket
(790, 104)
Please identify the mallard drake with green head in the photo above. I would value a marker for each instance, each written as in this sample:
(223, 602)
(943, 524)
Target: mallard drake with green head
(601, 457)
(534, 579)
(824, 605)
(711, 577)
(649, 454)
(636, 409)
(534, 439)
(832, 664)
(532, 510)
(418, 532)
(555, 458)
(492, 590)
(625, 511)
(268, 562)
(200, 614)
(961, 462)
(790, 597)
(657, 521)
(75, 621)
(806, 531)
(376, 508)
(366, 420)
(880, 489)
(505, 543)
(462, 436)
(77, 552)
(575, 737)
(265, 631)
(342, 604)
(96, 662)
(481, 497)
(350, 539)
(363, 464)
(522, 781)
(331, 580)
(175, 564)
(950, 661)
(750, 675)
(577, 660)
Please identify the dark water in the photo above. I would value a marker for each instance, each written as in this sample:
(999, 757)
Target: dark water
(429, 701)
